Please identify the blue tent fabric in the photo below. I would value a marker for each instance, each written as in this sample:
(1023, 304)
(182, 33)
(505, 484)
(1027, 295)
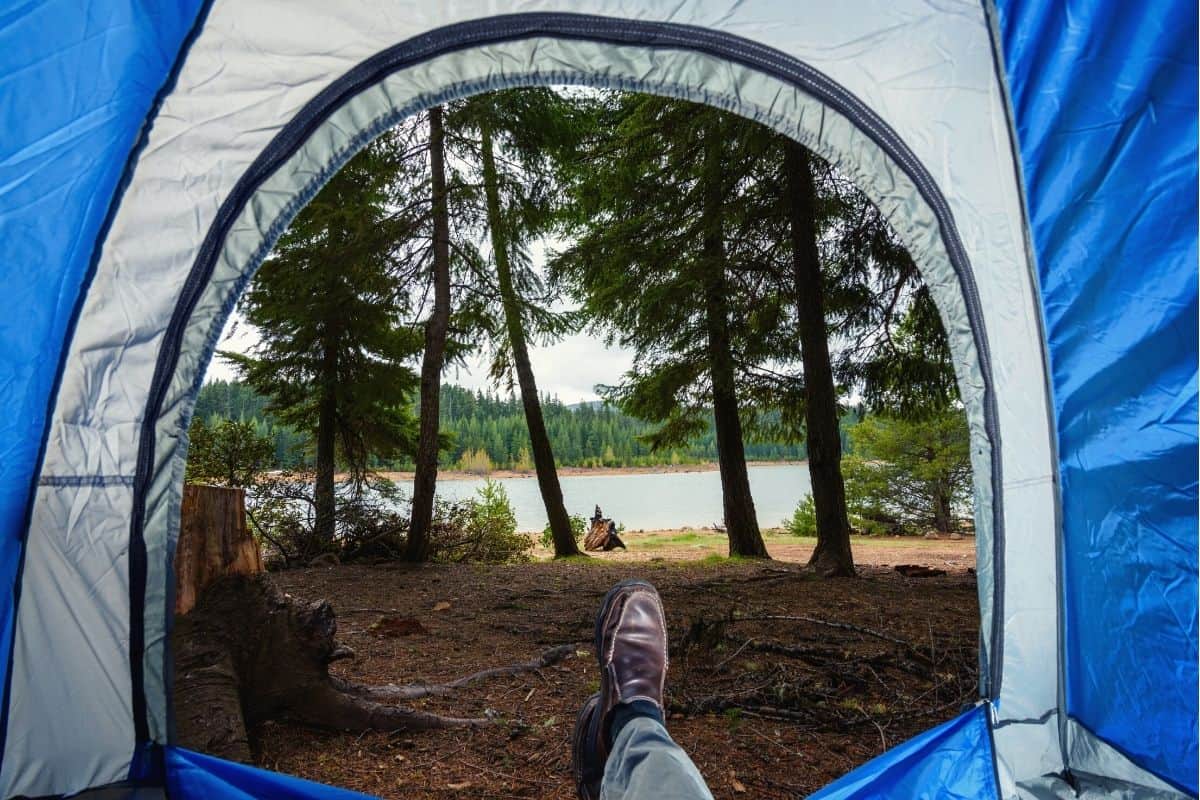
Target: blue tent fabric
(953, 761)
(95, 71)
(194, 776)
(1104, 98)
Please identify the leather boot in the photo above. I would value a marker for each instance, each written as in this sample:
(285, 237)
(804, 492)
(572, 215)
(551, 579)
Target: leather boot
(631, 648)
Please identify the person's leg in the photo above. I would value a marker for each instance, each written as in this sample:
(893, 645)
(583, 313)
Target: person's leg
(645, 762)
(621, 749)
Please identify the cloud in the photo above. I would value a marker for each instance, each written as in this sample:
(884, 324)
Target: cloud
(569, 369)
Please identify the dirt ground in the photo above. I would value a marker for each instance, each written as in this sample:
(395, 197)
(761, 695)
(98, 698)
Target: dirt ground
(767, 707)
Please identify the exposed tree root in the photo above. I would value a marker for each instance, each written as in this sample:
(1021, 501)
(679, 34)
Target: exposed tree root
(248, 654)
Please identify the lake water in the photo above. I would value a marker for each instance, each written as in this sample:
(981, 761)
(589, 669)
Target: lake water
(651, 501)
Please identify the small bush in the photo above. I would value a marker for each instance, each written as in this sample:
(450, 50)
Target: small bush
(370, 519)
(804, 519)
(483, 530)
(227, 453)
(578, 526)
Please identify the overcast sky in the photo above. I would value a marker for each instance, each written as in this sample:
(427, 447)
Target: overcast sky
(569, 369)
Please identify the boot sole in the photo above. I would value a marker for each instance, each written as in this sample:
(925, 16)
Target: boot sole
(579, 743)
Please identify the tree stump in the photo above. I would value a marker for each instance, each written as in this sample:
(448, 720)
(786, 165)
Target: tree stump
(213, 541)
(247, 653)
(602, 534)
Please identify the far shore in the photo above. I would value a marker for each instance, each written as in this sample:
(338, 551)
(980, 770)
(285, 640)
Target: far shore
(662, 469)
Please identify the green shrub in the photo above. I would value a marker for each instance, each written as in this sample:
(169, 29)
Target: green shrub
(804, 519)
(578, 526)
(482, 530)
(908, 476)
(227, 453)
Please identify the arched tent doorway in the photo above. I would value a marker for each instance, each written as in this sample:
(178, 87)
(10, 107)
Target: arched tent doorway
(265, 103)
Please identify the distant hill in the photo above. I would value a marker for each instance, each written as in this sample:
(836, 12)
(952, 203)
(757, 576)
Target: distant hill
(487, 426)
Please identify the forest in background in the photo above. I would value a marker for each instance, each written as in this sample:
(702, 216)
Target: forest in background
(583, 434)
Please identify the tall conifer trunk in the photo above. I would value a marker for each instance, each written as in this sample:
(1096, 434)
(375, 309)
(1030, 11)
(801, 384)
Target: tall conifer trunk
(323, 492)
(425, 481)
(741, 522)
(832, 556)
(543, 455)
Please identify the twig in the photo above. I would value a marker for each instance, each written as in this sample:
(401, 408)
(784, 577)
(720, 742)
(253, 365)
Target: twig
(416, 691)
(780, 745)
(882, 738)
(846, 626)
(736, 653)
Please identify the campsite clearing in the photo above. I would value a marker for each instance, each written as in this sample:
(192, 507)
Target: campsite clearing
(767, 706)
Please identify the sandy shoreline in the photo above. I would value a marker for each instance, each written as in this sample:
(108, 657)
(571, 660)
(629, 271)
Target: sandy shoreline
(691, 544)
(571, 472)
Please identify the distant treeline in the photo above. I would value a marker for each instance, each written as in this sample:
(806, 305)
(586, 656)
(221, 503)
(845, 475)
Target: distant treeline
(488, 431)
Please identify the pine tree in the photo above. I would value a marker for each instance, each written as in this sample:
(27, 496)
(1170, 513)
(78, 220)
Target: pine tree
(514, 136)
(660, 267)
(417, 546)
(832, 555)
(333, 348)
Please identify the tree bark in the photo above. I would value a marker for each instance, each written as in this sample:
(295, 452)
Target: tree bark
(324, 498)
(417, 547)
(741, 522)
(539, 440)
(941, 510)
(213, 541)
(832, 556)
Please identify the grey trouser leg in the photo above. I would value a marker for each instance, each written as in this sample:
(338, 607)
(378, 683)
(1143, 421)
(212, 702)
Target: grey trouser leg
(645, 764)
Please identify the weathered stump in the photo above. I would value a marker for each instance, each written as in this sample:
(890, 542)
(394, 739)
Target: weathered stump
(602, 534)
(247, 653)
(213, 541)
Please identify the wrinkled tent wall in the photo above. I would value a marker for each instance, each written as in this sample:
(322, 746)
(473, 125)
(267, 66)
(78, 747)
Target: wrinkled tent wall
(954, 760)
(1104, 96)
(1103, 101)
(77, 85)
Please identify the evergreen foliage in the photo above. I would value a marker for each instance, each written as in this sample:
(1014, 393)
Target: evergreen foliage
(803, 521)
(334, 349)
(485, 431)
(227, 453)
(329, 316)
(519, 133)
(755, 285)
(668, 260)
(911, 475)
